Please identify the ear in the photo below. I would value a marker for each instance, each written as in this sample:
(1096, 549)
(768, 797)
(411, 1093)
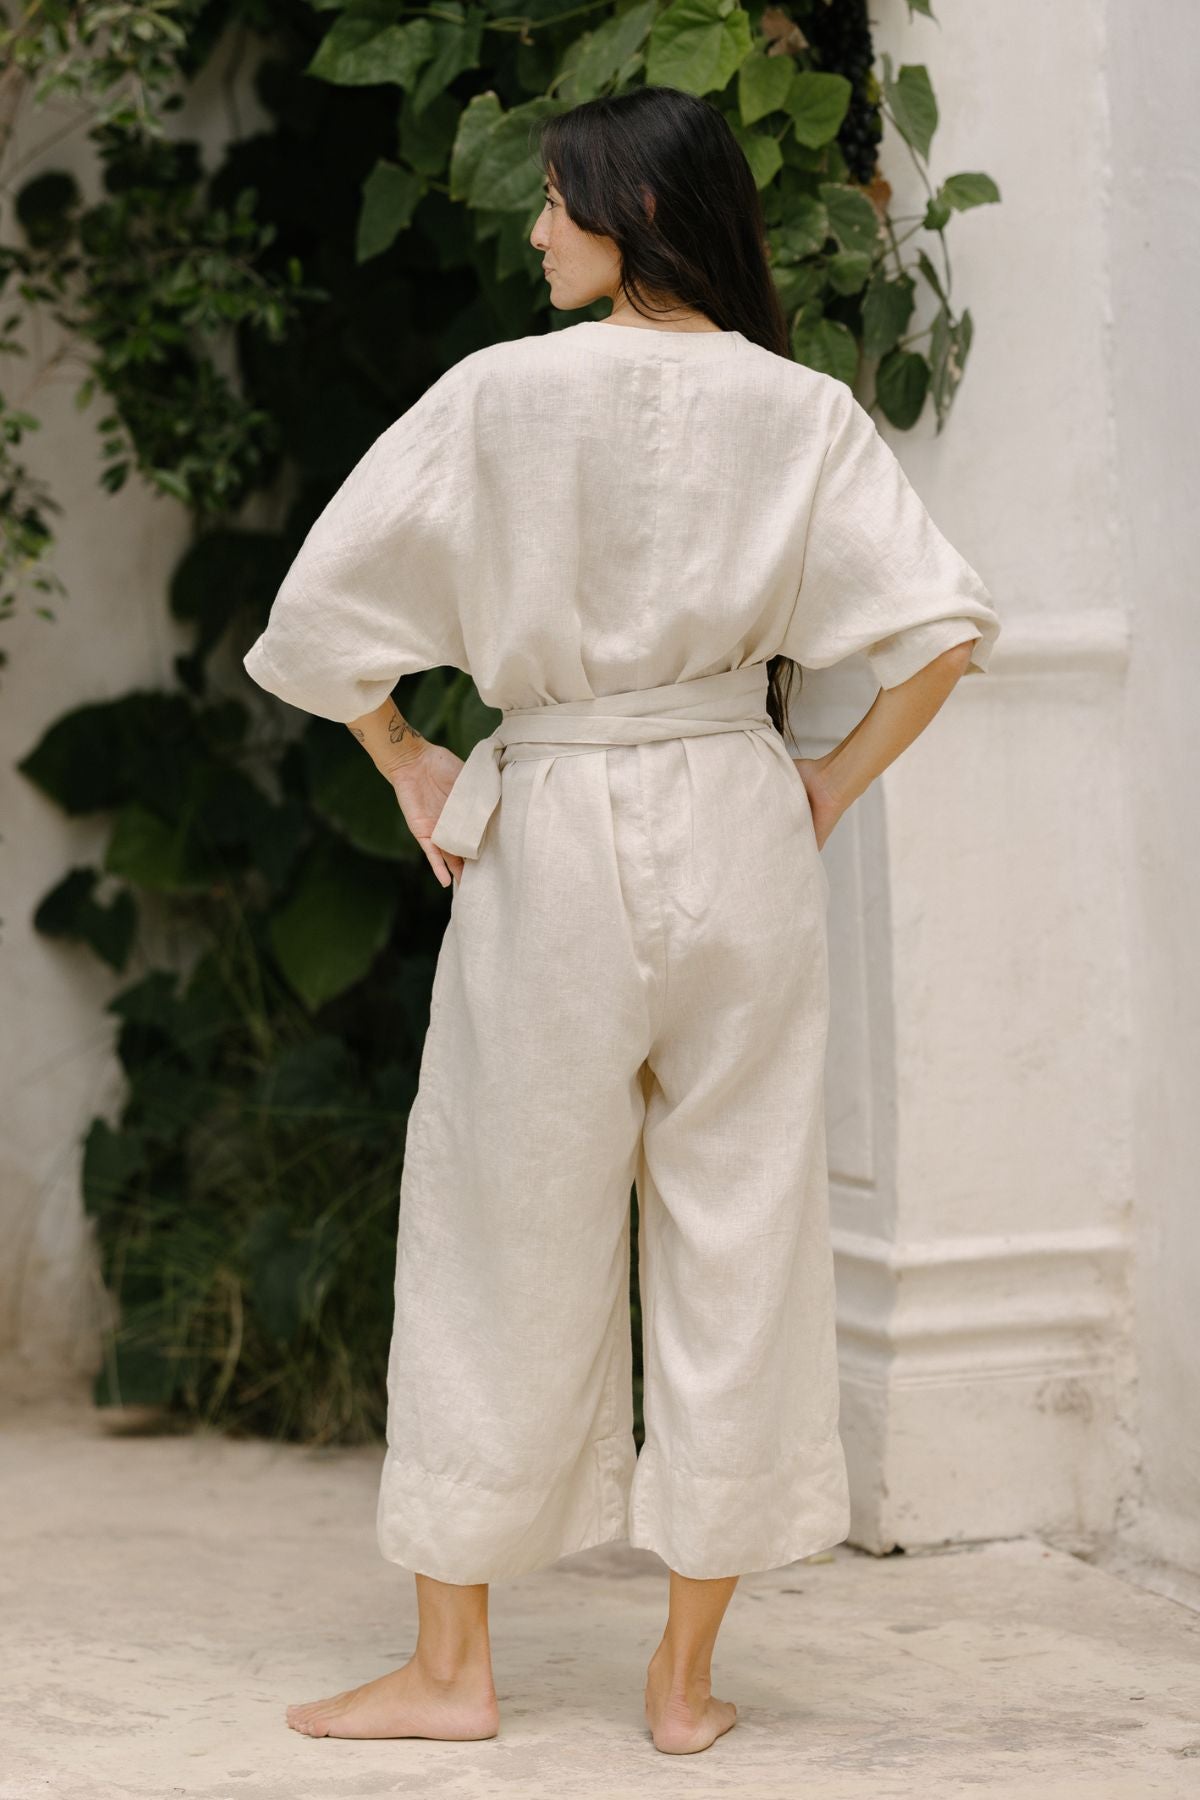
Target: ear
(648, 203)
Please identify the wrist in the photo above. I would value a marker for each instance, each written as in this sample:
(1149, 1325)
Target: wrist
(415, 748)
(838, 784)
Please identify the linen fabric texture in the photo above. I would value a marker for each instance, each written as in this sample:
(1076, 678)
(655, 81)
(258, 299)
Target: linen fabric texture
(611, 529)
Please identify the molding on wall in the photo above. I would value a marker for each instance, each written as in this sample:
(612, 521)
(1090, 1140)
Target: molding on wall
(958, 1309)
(982, 1385)
(1094, 642)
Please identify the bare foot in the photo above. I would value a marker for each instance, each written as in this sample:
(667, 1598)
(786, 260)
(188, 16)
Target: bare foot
(408, 1702)
(683, 1719)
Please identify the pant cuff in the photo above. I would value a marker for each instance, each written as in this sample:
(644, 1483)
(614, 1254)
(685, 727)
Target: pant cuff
(463, 1532)
(711, 1525)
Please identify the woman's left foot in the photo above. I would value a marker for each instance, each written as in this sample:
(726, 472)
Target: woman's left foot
(683, 1718)
(405, 1703)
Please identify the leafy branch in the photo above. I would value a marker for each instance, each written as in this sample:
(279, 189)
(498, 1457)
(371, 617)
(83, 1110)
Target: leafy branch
(140, 291)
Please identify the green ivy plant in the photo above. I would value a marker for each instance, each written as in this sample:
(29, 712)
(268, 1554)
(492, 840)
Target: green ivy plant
(245, 1195)
(133, 294)
(837, 256)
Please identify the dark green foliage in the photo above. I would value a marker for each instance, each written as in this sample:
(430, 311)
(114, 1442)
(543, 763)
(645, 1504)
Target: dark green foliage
(71, 910)
(840, 36)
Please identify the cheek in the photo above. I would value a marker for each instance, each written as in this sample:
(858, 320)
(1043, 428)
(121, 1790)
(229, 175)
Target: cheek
(572, 246)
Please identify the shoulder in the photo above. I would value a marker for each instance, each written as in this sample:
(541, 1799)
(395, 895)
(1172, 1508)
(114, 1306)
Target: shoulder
(507, 357)
(492, 373)
(502, 357)
(802, 413)
(797, 381)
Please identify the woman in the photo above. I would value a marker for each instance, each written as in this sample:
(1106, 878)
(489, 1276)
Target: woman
(625, 530)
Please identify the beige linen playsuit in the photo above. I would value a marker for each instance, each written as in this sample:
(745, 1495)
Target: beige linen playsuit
(612, 528)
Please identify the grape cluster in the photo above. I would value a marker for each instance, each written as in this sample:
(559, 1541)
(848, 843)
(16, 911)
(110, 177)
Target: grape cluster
(839, 33)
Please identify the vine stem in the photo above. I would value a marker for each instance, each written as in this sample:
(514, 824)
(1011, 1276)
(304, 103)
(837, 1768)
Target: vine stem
(913, 337)
(919, 165)
(13, 83)
(521, 23)
(57, 360)
(907, 235)
(39, 149)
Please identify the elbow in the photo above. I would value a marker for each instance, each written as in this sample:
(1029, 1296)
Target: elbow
(954, 662)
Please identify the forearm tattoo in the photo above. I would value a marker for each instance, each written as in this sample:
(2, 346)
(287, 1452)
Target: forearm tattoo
(401, 735)
(399, 729)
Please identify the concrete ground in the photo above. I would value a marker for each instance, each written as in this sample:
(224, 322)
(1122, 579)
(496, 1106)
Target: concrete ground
(163, 1598)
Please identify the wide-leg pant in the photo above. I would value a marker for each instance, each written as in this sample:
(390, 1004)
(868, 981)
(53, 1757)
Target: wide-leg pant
(632, 986)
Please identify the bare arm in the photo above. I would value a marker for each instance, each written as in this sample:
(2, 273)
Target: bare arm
(387, 737)
(897, 716)
(421, 775)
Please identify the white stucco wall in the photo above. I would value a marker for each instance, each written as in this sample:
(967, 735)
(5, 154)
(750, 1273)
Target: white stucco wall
(982, 1210)
(1012, 1056)
(1154, 221)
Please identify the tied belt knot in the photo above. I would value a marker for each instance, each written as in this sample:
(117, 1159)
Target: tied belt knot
(730, 700)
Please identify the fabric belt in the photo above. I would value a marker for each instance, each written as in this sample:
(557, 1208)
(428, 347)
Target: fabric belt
(730, 700)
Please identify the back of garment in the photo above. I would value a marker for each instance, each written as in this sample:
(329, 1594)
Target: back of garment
(632, 986)
(611, 507)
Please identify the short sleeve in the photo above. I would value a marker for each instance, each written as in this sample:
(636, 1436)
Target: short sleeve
(877, 575)
(373, 592)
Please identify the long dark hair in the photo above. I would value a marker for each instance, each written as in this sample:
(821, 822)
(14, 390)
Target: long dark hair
(704, 243)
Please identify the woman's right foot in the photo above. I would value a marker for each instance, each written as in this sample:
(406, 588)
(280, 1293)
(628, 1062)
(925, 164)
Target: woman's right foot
(408, 1702)
(683, 1719)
